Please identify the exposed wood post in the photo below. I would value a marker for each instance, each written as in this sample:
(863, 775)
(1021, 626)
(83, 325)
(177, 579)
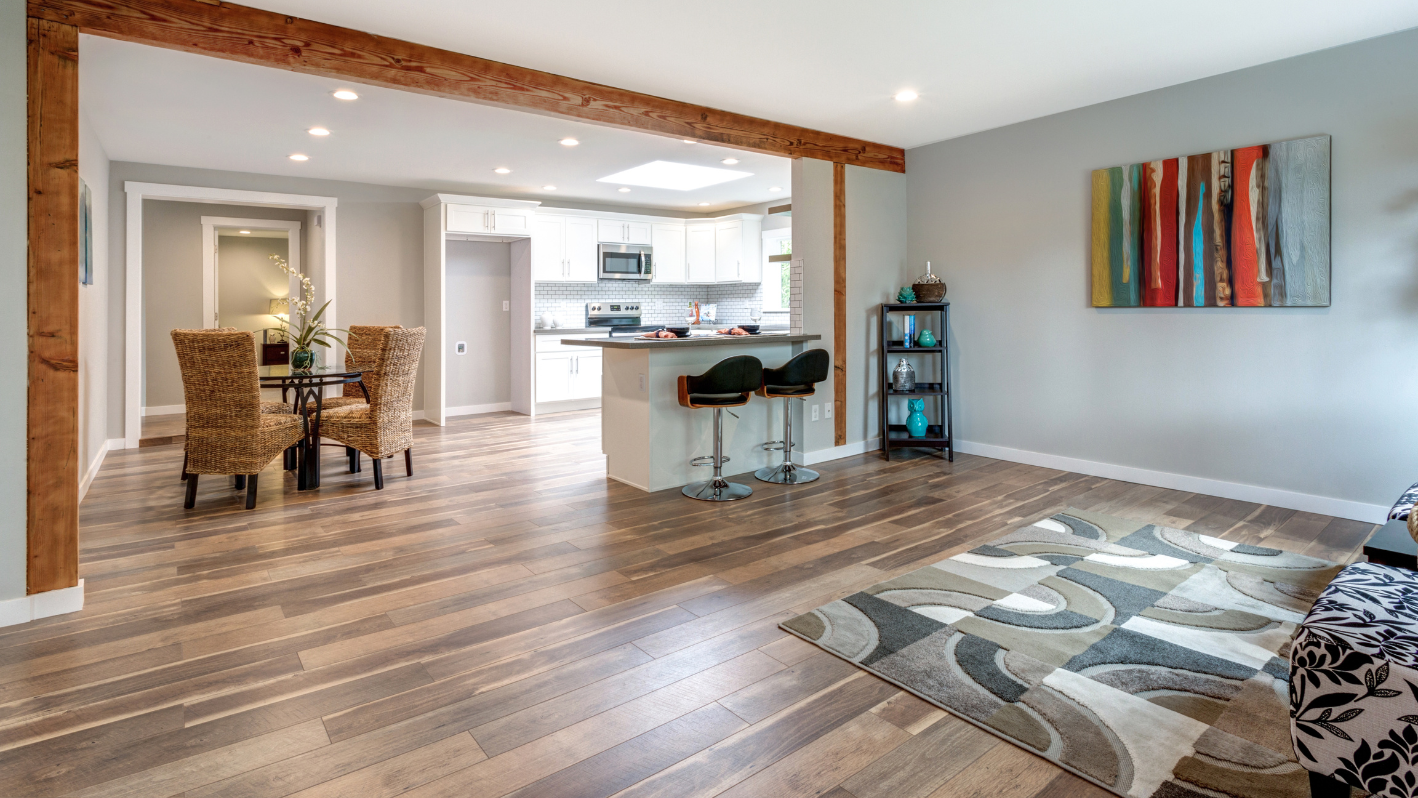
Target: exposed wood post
(239, 33)
(839, 303)
(53, 402)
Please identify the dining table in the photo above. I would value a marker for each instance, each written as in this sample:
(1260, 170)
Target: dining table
(307, 387)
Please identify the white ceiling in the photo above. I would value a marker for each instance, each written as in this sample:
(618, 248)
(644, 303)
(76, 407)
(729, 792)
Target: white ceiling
(151, 105)
(834, 65)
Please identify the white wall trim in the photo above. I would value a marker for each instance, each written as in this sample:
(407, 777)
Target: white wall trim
(88, 479)
(839, 452)
(133, 269)
(1304, 502)
(42, 605)
(164, 410)
(472, 410)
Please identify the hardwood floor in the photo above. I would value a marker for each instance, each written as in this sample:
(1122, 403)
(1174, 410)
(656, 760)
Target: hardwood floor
(509, 622)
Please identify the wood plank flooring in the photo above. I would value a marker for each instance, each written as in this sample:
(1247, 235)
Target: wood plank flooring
(508, 622)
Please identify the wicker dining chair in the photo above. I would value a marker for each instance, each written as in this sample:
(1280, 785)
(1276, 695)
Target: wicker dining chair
(362, 344)
(226, 431)
(267, 406)
(385, 426)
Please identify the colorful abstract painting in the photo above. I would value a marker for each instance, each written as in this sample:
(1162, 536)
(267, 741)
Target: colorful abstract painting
(1149, 660)
(1247, 227)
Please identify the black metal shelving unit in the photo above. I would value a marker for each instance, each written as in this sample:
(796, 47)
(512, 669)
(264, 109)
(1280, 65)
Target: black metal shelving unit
(938, 436)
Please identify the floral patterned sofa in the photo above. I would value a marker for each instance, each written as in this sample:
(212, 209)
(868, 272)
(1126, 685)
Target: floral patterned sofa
(1354, 684)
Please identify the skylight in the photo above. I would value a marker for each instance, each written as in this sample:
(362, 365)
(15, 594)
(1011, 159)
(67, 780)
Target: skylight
(676, 176)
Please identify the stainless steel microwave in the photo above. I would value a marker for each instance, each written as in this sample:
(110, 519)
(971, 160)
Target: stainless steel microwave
(625, 262)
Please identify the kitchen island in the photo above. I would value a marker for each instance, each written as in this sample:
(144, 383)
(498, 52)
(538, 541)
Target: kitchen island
(648, 439)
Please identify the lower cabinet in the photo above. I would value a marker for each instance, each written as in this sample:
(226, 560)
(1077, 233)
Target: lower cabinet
(568, 375)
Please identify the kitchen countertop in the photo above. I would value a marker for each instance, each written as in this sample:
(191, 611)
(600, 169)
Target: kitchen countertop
(632, 342)
(586, 330)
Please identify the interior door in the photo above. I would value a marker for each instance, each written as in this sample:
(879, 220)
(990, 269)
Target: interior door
(581, 250)
(548, 258)
(699, 247)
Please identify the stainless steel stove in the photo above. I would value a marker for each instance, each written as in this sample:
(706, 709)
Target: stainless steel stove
(612, 314)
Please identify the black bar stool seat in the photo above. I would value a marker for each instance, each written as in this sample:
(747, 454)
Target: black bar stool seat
(727, 383)
(795, 379)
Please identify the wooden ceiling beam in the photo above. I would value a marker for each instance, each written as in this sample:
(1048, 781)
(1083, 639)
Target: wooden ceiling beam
(253, 36)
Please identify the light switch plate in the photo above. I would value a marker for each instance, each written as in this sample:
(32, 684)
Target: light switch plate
(814, 412)
(827, 409)
(642, 383)
(506, 304)
(461, 347)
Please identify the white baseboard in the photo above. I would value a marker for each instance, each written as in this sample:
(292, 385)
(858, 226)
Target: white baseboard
(1304, 502)
(164, 410)
(565, 406)
(42, 605)
(839, 452)
(88, 478)
(473, 410)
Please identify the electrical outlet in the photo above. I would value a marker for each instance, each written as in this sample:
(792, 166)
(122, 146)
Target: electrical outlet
(461, 347)
(642, 383)
(814, 412)
(506, 305)
(827, 409)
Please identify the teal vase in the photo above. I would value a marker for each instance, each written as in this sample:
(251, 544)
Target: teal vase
(302, 359)
(916, 423)
(926, 338)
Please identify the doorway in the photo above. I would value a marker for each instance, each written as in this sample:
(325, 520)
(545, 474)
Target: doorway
(241, 285)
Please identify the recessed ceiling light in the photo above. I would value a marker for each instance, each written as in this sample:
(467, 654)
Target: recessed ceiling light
(776, 188)
(675, 176)
(689, 141)
(702, 204)
(624, 190)
(905, 96)
(245, 232)
(299, 157)
(730, 161)
(502, 170)
(569, 142)
(548, 188)
(318, 131)
(346, 94)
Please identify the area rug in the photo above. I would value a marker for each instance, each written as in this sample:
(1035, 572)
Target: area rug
(1149, 660)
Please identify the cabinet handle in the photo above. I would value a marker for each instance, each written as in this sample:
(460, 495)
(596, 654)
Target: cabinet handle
(494, 220)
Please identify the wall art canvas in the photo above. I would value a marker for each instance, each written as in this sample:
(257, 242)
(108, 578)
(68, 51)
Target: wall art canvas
(86, 235)
(1247, 227)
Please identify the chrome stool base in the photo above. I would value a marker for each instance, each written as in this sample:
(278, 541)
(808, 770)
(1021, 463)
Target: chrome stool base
(717, 490)
(786, 474)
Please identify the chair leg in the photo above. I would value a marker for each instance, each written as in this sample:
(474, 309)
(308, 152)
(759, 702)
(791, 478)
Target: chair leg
(350, 454)
(240, 480)
(251, 492)
(378, 474)
(191, 500)
(184, 466)
(291, 459)
(409, 461)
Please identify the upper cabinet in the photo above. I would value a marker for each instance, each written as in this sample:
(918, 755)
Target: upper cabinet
(738, 249)
(488, 220)
(699, 252)
(609, 231)
(667, 241)
(564, 249)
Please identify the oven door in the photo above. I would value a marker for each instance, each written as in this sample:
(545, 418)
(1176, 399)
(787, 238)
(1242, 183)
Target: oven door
(625, 262)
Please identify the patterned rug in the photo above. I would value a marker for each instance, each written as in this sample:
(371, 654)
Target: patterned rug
(1149, 660)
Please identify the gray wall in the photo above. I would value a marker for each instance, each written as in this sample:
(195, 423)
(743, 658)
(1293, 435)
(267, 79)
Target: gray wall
(14, 281)
(247, 281)
(172, 285)
(1315, 401)
(479, 280)
(94, 373)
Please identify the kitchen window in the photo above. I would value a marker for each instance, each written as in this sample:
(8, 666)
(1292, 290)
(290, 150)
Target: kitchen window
(776, 283)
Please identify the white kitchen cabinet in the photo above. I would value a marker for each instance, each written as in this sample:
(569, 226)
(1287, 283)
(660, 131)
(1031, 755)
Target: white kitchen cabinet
(728, 255)
(699, 253)
(564, 249)
(566, 375)
(667, 240)
(489, 220)
(610, 231)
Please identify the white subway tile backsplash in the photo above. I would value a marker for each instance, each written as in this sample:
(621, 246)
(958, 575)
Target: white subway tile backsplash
(660, 303)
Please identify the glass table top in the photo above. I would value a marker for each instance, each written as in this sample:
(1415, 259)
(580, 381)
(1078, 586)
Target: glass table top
(284, 373)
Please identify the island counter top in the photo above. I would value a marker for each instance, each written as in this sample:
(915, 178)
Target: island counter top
(634, 342)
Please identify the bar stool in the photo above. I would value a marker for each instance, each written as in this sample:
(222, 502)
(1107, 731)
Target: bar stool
(794, 380)
(727, 384)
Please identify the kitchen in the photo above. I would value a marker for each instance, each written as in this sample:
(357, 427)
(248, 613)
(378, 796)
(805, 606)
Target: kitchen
(581, 276)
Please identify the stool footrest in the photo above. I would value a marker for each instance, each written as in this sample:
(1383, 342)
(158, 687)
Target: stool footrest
(705, 460)
(773, 446)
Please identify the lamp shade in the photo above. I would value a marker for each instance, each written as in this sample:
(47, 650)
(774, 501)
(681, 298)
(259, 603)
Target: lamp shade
(280, 308)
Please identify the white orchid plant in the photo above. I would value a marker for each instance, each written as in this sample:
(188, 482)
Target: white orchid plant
(310, 330)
